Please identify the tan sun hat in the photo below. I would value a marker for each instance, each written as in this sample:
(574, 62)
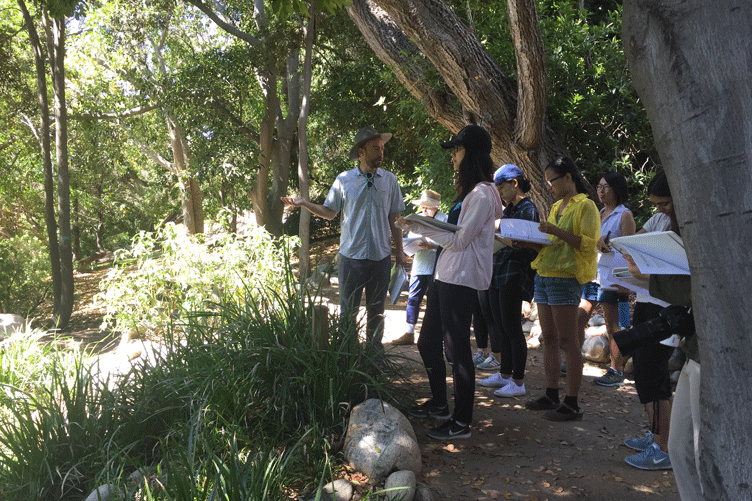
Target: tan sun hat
(364, 135)
(429, 198)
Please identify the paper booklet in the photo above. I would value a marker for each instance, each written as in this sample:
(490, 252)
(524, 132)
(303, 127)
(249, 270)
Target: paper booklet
(523, 230)
(660, 252)
(417, 218)
(622, 276)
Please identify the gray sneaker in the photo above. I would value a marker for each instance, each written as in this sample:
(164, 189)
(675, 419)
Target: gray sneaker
(478, 358)
(641, 443)
(612, 377)
(652, 458)
(490, 364)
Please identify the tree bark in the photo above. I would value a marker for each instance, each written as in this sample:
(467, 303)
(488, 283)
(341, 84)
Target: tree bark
(55, 31)
(691, 67)
(44, 141)
(304, 225)
(411, 36)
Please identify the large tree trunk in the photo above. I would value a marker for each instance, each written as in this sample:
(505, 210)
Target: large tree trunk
(413, 35)
(690, 63)
(55, 31)
(44, 136)
(191, 197)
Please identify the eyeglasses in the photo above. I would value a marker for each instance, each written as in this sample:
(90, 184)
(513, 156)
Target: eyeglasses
(550, 181)
(602, 187)
(369, 179)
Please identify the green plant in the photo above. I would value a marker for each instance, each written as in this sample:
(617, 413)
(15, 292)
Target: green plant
(188, 275)
(24, 268)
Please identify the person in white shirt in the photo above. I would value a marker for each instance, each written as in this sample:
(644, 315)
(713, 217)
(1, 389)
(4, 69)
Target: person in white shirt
(464, 267)
(424, 264)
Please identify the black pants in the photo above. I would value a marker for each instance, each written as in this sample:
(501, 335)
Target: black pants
(506, 308)
(446, 329)
(651, 376)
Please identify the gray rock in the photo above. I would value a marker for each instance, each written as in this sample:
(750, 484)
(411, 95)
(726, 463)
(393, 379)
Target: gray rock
(339, 490)
(400, 486)
(380, 440)
(596, 349)
(10, 323)
(107, 492)
(423, 493)
(596, 320)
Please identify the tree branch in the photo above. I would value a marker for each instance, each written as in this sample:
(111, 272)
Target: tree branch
(86, 117)
(225, 25)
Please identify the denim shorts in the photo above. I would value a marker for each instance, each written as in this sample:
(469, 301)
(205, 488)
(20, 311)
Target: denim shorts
(557, 291)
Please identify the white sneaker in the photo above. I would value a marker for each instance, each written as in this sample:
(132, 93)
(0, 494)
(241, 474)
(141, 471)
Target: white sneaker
(495, 380)
(510, 390)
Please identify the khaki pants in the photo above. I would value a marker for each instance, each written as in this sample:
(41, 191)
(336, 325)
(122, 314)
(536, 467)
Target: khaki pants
(684, 435)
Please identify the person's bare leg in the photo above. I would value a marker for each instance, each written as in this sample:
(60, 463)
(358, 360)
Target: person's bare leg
(584, 312)
(663, 420)
(565, 320)
(611, 316)
(551, 357)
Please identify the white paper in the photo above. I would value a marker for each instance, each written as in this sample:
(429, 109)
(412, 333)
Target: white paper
(411, 244)
(397, 282)
(523, 230)
(660, 253)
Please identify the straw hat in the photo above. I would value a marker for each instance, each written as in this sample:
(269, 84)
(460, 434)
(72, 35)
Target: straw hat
(364, 135)
(429, 198)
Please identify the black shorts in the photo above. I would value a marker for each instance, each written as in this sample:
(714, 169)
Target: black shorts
(651, 375)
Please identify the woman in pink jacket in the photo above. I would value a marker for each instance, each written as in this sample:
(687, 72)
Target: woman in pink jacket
(464, 267)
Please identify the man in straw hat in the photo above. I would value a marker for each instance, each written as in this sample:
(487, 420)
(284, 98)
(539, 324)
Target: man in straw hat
(370, 200)
(424, 263)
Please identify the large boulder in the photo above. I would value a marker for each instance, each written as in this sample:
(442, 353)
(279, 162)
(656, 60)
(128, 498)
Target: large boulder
(381, 440)
(400, 486)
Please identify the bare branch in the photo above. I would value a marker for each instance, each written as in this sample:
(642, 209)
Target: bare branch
(85, 117)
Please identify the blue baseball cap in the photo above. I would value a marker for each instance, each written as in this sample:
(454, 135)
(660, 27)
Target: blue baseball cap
(506, 172)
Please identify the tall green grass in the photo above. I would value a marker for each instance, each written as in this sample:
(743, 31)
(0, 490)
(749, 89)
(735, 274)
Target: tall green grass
(251, 408)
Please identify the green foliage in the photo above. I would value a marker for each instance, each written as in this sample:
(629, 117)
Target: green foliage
(24, 268)
(248, 409)
(188, 276)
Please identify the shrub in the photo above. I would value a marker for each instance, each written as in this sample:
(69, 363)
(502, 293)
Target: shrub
(176, 273)
(24, 268)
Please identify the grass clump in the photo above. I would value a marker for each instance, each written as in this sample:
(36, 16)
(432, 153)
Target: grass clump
(236, 402)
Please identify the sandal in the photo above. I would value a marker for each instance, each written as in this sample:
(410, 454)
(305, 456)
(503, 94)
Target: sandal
(544, 403)
(563, 412)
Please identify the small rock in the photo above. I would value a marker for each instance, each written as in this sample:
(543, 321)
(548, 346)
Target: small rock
(596, 349)
(423, 493)
(339, 490)
(596, 320)
(107, 492)
(400, 486)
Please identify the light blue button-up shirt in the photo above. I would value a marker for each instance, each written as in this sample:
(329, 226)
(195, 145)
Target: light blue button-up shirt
(365, 230)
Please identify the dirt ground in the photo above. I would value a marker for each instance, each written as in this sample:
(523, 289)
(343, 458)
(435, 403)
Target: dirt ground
(513, 453)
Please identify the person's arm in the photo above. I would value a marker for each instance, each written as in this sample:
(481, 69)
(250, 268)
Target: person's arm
(400, 256)
(627, 225)
(313, 208)
(550, 228)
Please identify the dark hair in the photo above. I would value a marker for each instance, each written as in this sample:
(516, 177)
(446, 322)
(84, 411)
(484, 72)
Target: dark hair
(618, 183)
(565, 165)
(523, 183)
(476, 167)
(658, 186)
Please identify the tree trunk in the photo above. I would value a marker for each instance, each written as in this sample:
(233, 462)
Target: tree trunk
(691, 66)
(191, 197)
(412, 36)
(44, 135)
(55, 30)
(304, 226)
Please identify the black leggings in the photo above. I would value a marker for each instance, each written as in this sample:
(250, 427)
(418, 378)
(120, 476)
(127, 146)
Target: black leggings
(446, 323)
(505, 307)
